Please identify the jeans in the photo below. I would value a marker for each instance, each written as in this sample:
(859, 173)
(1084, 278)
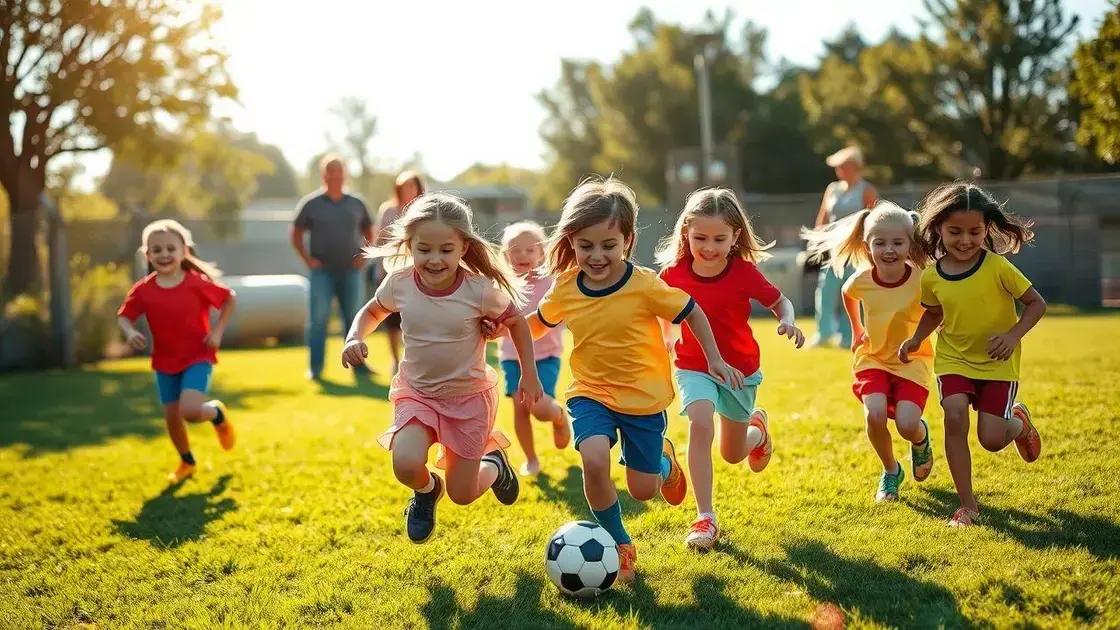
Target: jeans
(831, 318)
(325, 286)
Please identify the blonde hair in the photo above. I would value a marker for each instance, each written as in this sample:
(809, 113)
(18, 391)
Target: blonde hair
(845, 241)
(718, 203)
(595, 200)
(479, 255)
(191, 261)
(521, 228)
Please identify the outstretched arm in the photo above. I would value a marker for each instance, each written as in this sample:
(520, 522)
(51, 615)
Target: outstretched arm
(355, 351)
(783, 310)
(929, 322)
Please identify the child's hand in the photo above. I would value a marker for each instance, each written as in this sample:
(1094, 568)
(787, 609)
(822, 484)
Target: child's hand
(908, 346)
(355, 353)
(137, 340)
(858, 340)
(1001, 347)
(491, 330)
(213, 339)
(792, 332)
(529, 390)
(726, 374)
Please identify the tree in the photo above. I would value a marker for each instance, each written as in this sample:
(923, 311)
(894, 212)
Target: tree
(359, 126)
(1096, 89)
(281, 180)
(570, 130)
(82, 75)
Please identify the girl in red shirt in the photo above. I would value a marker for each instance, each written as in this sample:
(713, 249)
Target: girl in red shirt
(176, 298)
(712, 255)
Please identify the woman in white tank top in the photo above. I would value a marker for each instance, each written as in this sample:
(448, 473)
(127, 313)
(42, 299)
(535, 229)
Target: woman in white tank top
(849, 194)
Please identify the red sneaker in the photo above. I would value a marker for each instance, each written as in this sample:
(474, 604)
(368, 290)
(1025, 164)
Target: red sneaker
(675, 487)
(627, 562)
(759, 456)
(703, 535)
(1029, 443)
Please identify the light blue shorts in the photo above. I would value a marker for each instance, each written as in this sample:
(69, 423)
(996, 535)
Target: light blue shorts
(730, 403)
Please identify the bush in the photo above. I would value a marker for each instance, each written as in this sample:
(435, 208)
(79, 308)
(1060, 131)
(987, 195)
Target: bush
(97, 292)
(23, 333)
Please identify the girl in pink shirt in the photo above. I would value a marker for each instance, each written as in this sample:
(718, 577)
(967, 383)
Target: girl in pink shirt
(444, 393)
(522, 244)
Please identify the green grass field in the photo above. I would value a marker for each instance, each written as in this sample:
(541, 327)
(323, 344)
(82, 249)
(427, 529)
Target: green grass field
(301, 525)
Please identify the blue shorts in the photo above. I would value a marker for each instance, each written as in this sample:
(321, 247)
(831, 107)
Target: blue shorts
(171, 386)
(548, 370)
(641, 435)
(733, 404)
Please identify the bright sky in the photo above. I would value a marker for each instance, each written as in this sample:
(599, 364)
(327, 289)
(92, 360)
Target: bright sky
(455, 81)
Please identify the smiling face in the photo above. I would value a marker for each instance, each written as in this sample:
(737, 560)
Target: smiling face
(600, 251)
(890, 246)
(962, 235)
(525, 253)
(165, 252)
(710, 240)
(436, 250)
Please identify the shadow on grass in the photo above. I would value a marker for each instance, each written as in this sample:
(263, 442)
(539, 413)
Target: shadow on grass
(1053, 529)
(888, 596)
(638, 603)
(569, 491)
(46, 412)
(357, 385)
(171, 519)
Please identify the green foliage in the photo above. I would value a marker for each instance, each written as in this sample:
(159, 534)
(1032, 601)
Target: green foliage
(96, 293)
(279, 181)
(92, 206)
(24, 334)
(1096, 88)
(479, 174)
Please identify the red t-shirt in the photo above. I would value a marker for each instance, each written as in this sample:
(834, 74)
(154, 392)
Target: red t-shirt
(179, 318)
(726, 301)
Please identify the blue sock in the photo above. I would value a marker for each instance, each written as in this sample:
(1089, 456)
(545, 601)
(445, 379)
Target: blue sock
(666, 466)
(611, 520)
(187, 458)
(219, 417)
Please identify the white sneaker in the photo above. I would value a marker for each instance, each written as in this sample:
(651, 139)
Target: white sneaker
(704, 534)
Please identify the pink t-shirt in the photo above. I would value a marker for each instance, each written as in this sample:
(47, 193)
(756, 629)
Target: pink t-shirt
(444, 352)
(550, 345)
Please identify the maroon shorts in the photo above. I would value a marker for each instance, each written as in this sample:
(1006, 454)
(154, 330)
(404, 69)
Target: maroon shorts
(991, 397)
(894, 387)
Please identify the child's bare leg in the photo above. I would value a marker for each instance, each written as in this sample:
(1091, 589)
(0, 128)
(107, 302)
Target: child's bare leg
(194, 408)
(595, 452)
(957, 453)
(995, 432)
(410, 455)
(176, 428)
(701, 434)
(737, 440)
(908, 421)
(522, 426)
(468, 479)
(642, 486)
(875, 413)
(547, 409)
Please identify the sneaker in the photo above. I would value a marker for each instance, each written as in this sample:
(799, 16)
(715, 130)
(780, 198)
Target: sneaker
(226, 437)
(964, 517)
(181, 473)
(675, 487)
(888, 485)
(505, 487)
(1029, 443)
(921, 457)
(530, 469)
(703, 535)
(759, 456)
(627, 562)
(816, 341)
(561, 431)
(420, 515)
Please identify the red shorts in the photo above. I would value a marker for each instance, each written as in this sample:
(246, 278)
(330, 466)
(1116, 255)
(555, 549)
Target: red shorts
(990, 397)
(894, 387)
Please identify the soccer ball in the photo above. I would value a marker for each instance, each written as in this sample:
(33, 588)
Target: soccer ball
(581, 559)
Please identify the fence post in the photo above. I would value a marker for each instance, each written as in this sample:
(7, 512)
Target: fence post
(58, 264)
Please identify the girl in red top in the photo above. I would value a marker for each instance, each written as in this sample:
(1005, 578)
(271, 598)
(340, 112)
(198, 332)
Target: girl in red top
(712, 255)
(176, 299)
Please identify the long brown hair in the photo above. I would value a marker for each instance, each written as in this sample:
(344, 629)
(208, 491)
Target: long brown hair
(595, 200)
(718, 203)
(845, 241)
(479, 255)
(1006, 232)
(191, 261)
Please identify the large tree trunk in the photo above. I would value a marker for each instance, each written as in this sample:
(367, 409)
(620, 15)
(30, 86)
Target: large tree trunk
(24, 270)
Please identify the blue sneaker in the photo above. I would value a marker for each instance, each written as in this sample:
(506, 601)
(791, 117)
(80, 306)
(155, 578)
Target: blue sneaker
(888, 485)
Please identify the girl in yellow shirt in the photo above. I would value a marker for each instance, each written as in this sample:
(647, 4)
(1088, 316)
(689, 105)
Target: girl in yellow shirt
(881, 243)
(970, 293)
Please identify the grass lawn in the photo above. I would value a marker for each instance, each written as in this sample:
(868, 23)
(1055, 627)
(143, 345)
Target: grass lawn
(301, 525)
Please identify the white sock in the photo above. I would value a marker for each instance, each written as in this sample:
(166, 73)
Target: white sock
(712, 515)
(431, 485)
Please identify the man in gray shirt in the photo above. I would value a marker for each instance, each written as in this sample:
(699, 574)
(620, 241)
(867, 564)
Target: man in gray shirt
(340, 226)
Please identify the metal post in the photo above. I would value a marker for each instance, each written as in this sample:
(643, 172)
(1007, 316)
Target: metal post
(58, 257)
(701, 63)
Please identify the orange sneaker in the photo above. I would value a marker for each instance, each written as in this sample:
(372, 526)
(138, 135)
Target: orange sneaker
(964, 517)
(226, 437)
(675, 487)
(181, 473)
(1029, 442)
(561, 431)
(759, 456)
(703, 535)
(627, 562)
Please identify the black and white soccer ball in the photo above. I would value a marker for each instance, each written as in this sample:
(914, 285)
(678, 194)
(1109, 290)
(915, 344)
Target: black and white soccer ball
(581, 559)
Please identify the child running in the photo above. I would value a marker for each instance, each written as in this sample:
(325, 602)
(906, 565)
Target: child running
(712, 255)
(523, 247)
(444, 393)
(175, 298)
(621, 381)
(971, 292)
(882, 244)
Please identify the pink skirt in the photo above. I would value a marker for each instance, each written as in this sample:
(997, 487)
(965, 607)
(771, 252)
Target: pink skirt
(462, 424)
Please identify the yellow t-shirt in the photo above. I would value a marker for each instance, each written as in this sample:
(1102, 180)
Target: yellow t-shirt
(978, 304)
(890, 315)
(619, 357)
